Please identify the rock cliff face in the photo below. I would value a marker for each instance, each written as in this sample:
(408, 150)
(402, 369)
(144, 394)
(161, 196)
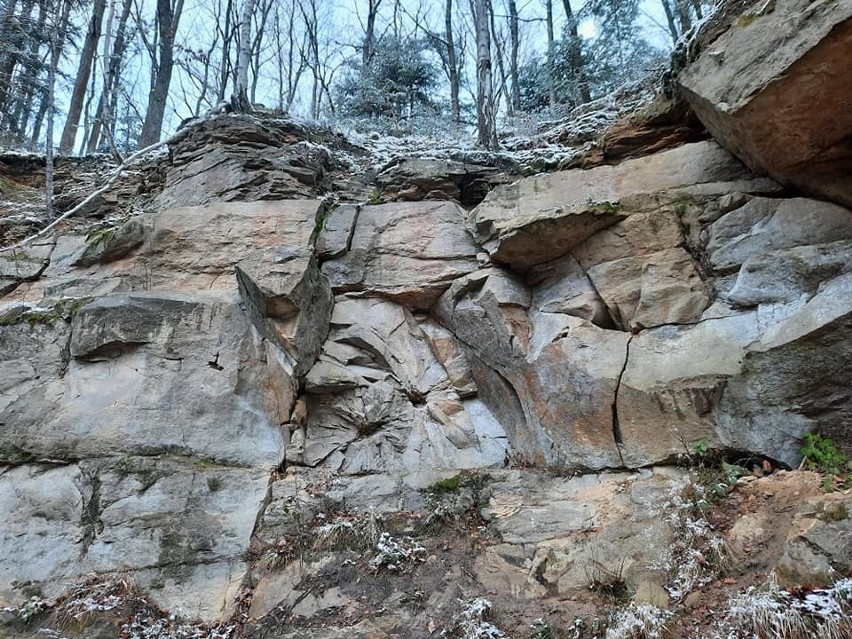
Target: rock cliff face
(191, 393)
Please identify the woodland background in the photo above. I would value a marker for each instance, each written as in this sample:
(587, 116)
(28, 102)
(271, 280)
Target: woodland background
(116, 75)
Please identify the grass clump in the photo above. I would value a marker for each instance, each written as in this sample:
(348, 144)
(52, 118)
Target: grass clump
(770, 612)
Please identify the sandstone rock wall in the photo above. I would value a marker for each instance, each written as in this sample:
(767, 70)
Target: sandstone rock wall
(184, 393)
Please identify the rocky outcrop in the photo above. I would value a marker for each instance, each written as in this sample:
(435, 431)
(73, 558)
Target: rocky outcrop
(774, 89)
(144, 394)
(407, 252)
(412, 179)
(295, 418)
(235, 157)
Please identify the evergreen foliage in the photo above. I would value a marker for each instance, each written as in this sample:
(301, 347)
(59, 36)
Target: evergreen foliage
(395, 83)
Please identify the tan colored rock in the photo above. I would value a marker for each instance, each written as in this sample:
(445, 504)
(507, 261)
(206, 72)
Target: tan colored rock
(408, 252)
(542, 218)
(652, 290)
(673, 381)
(818, 548)
(774, 89)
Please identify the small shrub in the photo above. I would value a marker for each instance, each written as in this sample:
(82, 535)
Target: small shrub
(772, 613)
(608, 583)
(820, 454)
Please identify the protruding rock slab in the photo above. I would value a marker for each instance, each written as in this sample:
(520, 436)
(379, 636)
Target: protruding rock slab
(147, 373)
(409, 252)
(542, 218)
(776, 90)
(288, 299)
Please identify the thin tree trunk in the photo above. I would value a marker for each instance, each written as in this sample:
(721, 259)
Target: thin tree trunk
(670, 20)
(514, 46)
(501, 68)
(485, 113)
(575, 53)
(370, 32)
(168, 18)
(551, 79)
(452, 63)
(15, 35)
(257, 47)
(84, 70)
(225, 71)
(103, 112)
(240, 98)
(33, 64)
(59, 32)
(55, 49)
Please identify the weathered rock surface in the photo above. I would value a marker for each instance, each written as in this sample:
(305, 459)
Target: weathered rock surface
(179, 527)
(408, 252)
(413, 179)
(542, 218)
(149, 384)
(236, 157)
(305, 420)
(775, 89)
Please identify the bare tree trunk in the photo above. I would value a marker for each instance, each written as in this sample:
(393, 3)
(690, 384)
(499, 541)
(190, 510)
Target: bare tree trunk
(240, 99)
(15, 35)
(452, 62)
(168, 17)
(55, 50)
(670, 20)
(370, 32)
(32, 66)
(575, 53)
(257, 47)
(551, 80)
(485, 112)
(81, 83)
(58, 33)
(294, 72)
(103, 112)
(513, 55)
(227, 37)
(501, 68)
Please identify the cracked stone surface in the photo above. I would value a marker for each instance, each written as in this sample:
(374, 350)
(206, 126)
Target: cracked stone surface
(186, 396)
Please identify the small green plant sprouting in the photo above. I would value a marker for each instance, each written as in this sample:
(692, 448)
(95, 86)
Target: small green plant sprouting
(700, 449)
(375, 197)
(820, 454)
(448, 485)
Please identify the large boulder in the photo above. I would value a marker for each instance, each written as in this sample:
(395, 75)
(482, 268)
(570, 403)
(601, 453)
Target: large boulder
(775, 90)
(179, 529)
(721, 298)
(147, 373)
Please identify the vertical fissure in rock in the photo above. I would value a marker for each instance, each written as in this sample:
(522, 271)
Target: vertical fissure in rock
(247, 584)
(616, 427)
(91, 512)
(352, 228)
